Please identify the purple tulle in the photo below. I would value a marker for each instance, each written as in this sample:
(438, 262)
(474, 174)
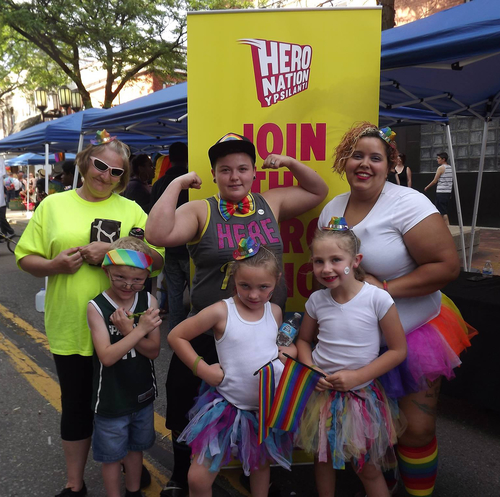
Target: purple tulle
(219, 432)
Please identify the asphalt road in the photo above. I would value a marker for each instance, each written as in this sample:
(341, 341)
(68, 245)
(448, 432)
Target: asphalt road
(31, 459)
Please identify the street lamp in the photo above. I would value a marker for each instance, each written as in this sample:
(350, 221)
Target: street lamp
(65, 97)
(76, 101)
(41, 101)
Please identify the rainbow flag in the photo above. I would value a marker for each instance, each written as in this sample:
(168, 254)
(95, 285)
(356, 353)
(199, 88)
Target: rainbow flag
(266, 395)
(296, 385)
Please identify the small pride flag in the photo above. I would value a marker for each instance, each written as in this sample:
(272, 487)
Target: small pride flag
(295, 387)
(266, 396)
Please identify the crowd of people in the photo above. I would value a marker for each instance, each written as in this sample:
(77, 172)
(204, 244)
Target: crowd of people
(376, 327)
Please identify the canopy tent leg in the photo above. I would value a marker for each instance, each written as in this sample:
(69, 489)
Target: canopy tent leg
(478, 189)
(80, 147)
(457, 195)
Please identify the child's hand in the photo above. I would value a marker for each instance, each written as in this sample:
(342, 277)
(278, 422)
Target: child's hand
(214, 375)
(120, 319)
(150, 320)
(291, 350)
(344, 380)
(323, 385)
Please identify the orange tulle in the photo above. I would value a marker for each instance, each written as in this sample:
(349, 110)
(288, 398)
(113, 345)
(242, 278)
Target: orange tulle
(449, 322)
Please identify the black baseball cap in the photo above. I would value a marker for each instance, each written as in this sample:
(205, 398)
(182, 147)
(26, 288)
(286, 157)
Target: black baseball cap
(230, 144)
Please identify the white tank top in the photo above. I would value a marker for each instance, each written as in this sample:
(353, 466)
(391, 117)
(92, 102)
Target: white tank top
(445, 181)
(244, 348)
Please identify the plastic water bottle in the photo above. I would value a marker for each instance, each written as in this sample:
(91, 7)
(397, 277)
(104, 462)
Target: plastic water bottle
(40, 300)
(289, 330)
(487, 269)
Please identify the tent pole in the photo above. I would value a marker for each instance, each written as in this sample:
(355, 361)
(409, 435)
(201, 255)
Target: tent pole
(46, 167)
(457, 195)
(80, 147)
(478, 189)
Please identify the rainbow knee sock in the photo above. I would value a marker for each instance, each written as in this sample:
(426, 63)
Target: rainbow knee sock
(418, 468)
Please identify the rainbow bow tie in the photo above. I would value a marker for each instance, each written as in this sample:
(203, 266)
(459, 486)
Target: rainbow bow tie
(228, 209)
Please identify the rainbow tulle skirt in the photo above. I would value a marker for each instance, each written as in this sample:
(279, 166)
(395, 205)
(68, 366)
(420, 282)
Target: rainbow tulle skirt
(433, 351)
(219, 432)
(357, 427)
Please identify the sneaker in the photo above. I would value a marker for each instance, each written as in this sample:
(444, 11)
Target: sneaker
(67, 492)
(174, 489)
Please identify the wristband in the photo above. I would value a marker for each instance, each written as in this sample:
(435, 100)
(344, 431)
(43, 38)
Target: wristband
(195, 365)
(386, 288)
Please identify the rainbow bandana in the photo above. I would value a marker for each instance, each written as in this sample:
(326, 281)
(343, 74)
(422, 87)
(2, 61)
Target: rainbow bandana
(228, 209)
(127, 257)
(336, 224)
(295, 387)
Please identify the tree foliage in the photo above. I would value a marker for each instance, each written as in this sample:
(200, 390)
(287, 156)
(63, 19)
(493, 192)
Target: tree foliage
(123, 37)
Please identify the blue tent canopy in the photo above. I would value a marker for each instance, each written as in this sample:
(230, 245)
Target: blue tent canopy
(63, 135)
(162, 115)
(30, 159)
(448, 63)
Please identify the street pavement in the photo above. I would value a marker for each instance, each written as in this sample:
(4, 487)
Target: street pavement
(31, 458)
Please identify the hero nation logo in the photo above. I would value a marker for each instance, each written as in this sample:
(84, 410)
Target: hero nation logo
(281, 69)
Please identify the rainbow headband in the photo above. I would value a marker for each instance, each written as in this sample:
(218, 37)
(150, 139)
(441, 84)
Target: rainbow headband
(127, 257)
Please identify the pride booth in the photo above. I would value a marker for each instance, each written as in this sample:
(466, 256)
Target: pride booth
(289, 81)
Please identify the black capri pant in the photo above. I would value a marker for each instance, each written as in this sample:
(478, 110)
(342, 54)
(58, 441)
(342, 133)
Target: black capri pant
(75, 374)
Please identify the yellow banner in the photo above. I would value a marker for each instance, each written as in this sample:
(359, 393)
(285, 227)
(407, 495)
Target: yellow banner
(292, 81)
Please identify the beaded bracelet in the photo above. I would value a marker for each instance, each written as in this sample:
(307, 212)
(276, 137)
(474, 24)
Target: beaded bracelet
(195, 365)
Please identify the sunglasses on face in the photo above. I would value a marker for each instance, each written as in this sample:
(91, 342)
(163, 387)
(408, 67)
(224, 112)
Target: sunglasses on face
(101, 166)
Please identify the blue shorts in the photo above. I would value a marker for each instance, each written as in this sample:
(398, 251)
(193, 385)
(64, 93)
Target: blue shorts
(113, 438)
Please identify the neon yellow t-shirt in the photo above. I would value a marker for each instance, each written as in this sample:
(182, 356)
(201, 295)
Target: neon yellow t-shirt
(60, 222)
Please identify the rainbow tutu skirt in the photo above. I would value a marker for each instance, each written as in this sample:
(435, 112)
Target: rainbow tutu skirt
(433, 351)
(357, 427)
(219, 432)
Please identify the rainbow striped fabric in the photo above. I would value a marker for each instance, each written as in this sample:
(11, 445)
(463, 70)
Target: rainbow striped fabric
(227, 209)
(266, 396)
(296, 385)
(127, 257)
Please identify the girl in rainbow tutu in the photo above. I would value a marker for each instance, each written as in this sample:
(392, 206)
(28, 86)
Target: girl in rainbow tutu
(349, 418)
(223, 422)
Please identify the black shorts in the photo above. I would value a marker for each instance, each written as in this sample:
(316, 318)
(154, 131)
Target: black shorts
(75, 374)
(182, 385)
(442, 201)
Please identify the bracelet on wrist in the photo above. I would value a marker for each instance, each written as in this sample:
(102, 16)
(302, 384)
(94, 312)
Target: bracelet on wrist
(386, 288)
(195, 365)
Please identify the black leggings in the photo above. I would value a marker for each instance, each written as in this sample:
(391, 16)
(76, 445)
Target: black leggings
(75, 379)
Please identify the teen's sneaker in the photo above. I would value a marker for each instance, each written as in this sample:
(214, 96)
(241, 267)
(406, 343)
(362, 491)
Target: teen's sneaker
(67, 492)
(174, 489)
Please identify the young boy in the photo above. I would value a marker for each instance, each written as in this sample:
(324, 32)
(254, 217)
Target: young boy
(124, 321)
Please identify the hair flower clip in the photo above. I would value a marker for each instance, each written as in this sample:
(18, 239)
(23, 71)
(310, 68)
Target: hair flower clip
(388, 136)
(247, 247)
(336, 224)
(102, 137)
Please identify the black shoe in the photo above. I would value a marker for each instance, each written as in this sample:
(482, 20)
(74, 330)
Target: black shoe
(67, 492)
(145, 476)
(174, 489)
(128, 493)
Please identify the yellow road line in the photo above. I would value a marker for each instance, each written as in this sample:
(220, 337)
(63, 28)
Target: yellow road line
(47, 387)
(39, 337)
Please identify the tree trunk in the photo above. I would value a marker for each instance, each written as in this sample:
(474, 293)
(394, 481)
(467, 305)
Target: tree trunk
(388, 13)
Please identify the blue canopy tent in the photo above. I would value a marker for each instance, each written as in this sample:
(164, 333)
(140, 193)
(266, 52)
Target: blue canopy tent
(162, 115)
(30, 159)
(448, 64)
